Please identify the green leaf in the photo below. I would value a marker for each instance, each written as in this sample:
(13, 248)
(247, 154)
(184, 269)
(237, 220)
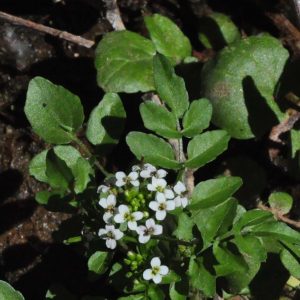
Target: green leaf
(155, 292)
(107, 120)
(290, 262)
(54, 113)
(59, 292)
(230, 81)
(251, 246)
(210, 37)
(43, 197)
(214, 191)
(169, 86)
(157, 118)
(153, 149)
(281, 202)
(184, 230)
(295, 141)
(133, 297)
(170, 277)
(98, 262)
(174, 294)
(206, 147)
(201, 278)
(215, 220)
(197, 118)
(277, 230)
(168, 39)
(58, 173)
(7, 292)
(37, 167)
(124, 62)
(251, 218)
(80, 167)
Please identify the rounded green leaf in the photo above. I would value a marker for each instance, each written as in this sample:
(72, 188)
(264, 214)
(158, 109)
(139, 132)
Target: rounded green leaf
(98, 262)
(153, 149)
(291, 262)
(216, 30)
(157, 118)
(169, 86)
(106, 122)
(7, 292)
(281, 202)
(37, 166)
(124, 62)
(168, 39)
(197, 118)
(240, 83)
(206, 147)
(214, 191)
(54, 113)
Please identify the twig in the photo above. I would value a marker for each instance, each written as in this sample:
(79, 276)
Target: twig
(113, 15)
(279, 216)
(46, 29)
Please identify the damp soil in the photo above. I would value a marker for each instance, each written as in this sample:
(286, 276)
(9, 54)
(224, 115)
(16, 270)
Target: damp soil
(31, 259)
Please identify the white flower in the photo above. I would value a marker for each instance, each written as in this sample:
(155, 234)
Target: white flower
(156, 272)
(158, 185)
(123, 179)
(111, 235)
(180, 190)
(135, 168)
(149, 171)
(161, 206)
(109, 205)
(103, 189)
(125, 216)
(149, 229)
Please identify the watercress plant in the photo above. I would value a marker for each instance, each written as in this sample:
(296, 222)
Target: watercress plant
(150, 235)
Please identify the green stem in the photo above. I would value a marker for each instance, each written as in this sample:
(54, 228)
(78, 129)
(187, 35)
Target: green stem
(87, 152)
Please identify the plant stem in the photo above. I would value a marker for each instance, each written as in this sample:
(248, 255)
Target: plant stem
(86, 150)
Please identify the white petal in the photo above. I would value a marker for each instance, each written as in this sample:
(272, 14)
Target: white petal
(135, 168)
(111, 244)
(109, 227)
(111, 200)
(160, 197)
(147, 274)
(143, 239)
(102, 231)
(135, 182)
(151, 187)
(169, 194)
(107, 217)
(149, 167)
(158, 229)
(133, 175)
(123, 209)
(161, 182)
(141, 229)
(118, 234)
(119, 218)
(120, 176)
(161, 173)
(161, 215)
(177, 201)
(150, 223)
(170, 205)
(145, 174)
(102, 189)
(103, 202)
(155, 262)
(179, 188)
(184, 202)
(132, 225)
(120, 183)
(138, 215)
(164, 270)
(157, 278)
(154, 205)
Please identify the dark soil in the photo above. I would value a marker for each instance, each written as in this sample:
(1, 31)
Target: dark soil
(30, 258)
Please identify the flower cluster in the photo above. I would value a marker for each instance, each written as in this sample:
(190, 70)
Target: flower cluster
(138, 202)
